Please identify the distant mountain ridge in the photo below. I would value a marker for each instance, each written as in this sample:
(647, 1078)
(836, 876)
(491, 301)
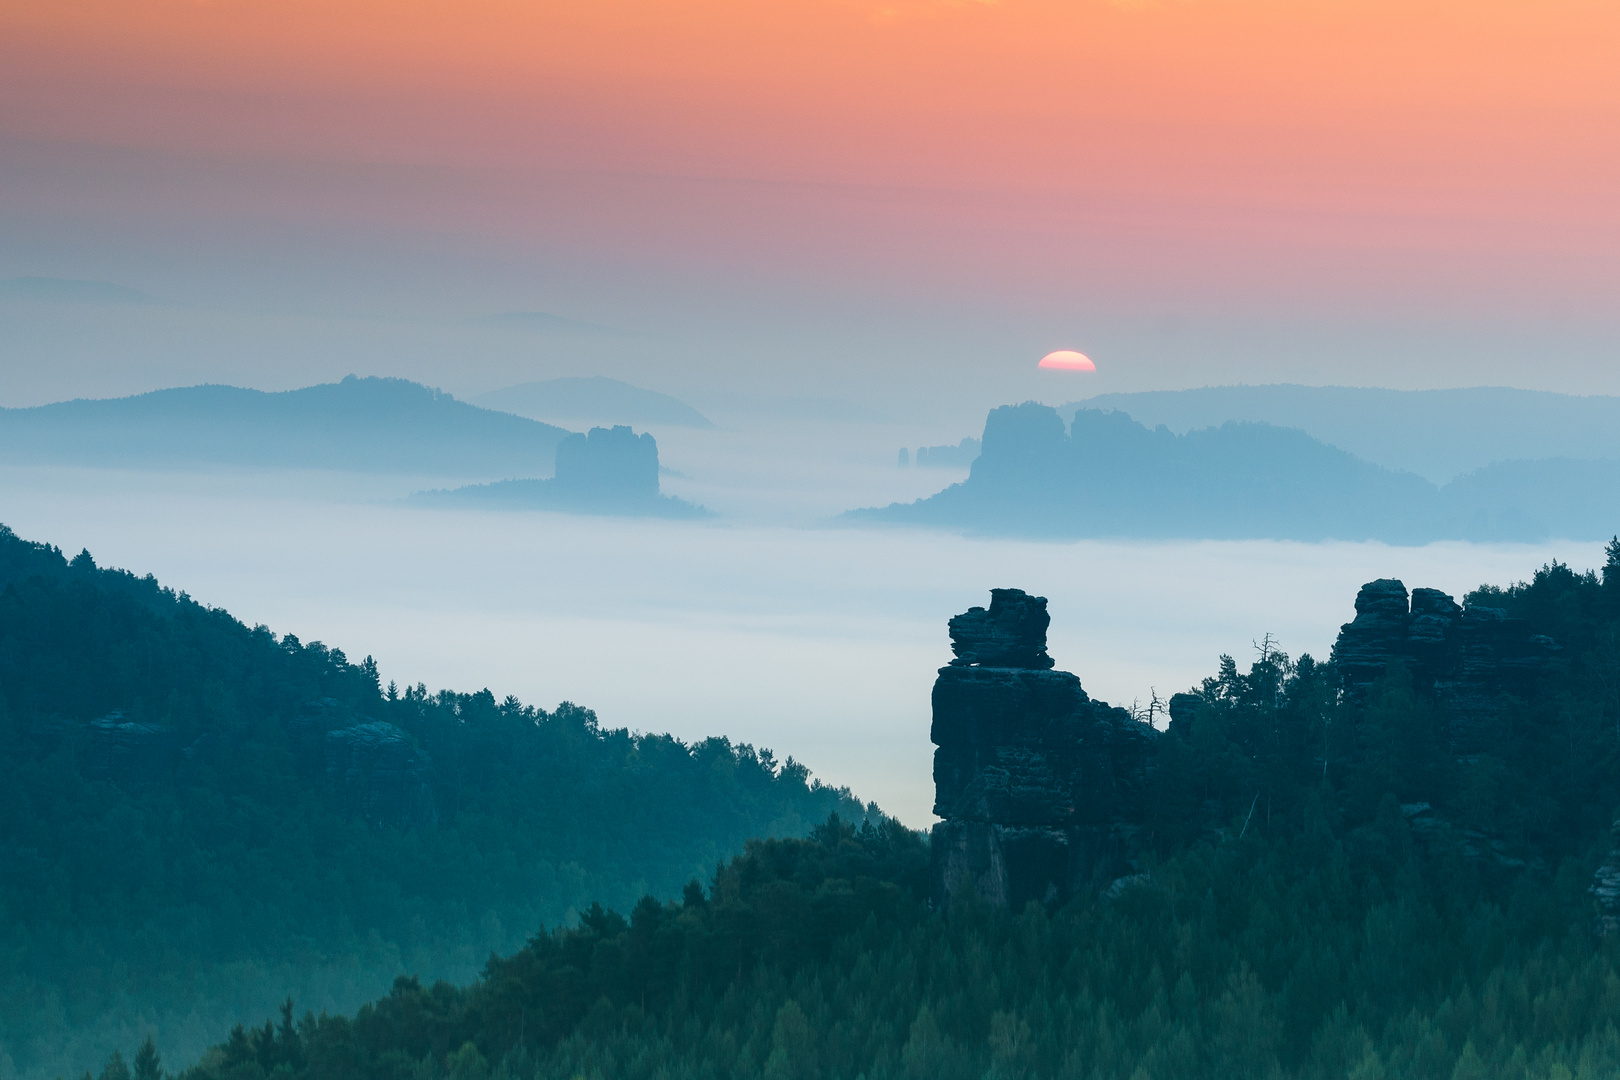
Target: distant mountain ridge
(1105, 475)
(361, 424)
(1438, 434)
(595, 399)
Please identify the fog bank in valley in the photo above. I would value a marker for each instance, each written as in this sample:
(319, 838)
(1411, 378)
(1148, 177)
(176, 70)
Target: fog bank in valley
(820, 643)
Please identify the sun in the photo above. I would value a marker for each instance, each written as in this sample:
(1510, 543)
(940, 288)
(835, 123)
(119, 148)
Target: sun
(1067, 360)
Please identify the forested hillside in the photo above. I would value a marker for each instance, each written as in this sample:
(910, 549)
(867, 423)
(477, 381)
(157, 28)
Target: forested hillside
(198, 818)
(1330, 891)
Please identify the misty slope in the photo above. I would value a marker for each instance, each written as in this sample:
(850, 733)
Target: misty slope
(198, 818)
(368, 425)
(1437, 434)
(1108, 476)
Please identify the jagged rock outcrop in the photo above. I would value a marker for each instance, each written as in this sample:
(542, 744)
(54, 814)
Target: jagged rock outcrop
(1010, 634)
(1039, 785)
(380, 776)
(123, 751)
(1605, 890)
(1466, 658)
(1183, 710)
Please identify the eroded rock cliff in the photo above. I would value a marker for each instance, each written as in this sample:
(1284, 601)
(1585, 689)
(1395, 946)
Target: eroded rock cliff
(1038, 784)
(379, 775)
(1466, 658)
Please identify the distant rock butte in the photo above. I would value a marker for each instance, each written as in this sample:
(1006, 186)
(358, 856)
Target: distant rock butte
(605, 471)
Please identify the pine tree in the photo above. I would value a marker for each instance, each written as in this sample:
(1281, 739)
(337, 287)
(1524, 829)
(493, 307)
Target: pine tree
(115, 1069)
(148, 1065)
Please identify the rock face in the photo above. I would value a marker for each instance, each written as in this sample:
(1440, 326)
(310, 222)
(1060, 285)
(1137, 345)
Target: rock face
(1011, 634)
(123, 751)
(1038, 784)
(1605, 890)
(379, 775)
(1466, 658)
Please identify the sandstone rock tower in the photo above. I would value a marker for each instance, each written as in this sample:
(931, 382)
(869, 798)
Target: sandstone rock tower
(1037, 783)
(1465, 658)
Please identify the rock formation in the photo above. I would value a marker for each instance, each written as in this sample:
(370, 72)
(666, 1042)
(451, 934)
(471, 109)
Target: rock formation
(379, 775)
(604, 471)
(1466, 658)
(1038, 784)
(608, 463)
(123, 751)
(1042, 790)
(1605, 890)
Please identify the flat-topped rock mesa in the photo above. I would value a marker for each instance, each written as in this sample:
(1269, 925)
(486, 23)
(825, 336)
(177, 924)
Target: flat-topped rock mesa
(1466, 658)
(1039, 785)
(608, 463)
(604, 471)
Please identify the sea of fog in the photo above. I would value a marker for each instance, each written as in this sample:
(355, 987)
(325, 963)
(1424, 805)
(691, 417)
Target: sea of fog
(775, 629)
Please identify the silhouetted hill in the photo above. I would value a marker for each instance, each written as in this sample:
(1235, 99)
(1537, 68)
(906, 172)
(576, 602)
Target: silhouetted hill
(1110, 476)
(605, 471)
(1534, 500)
(368, 425)
(198, 818)
(1438, 434)
(593, 400)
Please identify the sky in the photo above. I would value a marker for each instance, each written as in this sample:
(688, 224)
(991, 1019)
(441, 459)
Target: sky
(906, 201)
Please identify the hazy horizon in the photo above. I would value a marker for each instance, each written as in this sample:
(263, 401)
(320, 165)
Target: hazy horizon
(910, 205)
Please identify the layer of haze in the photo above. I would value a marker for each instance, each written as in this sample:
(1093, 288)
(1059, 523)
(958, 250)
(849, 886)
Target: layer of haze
(821, 643)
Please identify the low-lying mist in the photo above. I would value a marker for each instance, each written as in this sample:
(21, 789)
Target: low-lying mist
(818, 642)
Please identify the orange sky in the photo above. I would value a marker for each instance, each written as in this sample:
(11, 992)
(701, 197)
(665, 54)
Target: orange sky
(1431, 151)
(948, 92)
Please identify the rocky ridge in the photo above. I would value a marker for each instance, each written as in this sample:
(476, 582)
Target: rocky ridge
(1042, 790)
